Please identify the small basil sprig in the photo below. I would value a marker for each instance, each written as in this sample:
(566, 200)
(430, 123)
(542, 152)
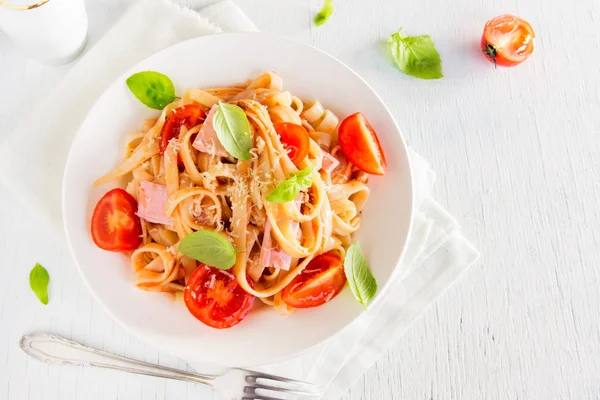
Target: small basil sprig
(233, 130)
(415, 55)
(152, 88)
(289, 189)
(209, 248)
(361, 280)
(325, 13)
(38, 281)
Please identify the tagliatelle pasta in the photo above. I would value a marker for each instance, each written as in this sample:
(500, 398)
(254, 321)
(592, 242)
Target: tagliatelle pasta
(203, 188)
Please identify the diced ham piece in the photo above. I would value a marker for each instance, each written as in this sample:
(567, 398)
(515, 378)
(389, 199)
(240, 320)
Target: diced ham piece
(207, 141)
(152, 201)
(272, 255)
(329, 162)
(280, 259)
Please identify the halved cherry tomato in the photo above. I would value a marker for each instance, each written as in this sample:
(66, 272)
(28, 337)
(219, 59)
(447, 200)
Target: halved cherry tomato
(322, 280)
(507, 40)
(295, 139)
(115, 225)
(360, 145)
(188, 115)
(215, 298)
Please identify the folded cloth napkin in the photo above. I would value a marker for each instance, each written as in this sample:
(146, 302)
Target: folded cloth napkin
(436, 255)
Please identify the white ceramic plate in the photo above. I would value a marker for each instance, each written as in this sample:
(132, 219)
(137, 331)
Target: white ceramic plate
(264, 336)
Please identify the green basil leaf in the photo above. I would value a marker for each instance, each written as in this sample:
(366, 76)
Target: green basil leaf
(360, 279)
(38, 281)
(305, 177)
(233, 130)
(152, 88)
(415, 55)
(209, 248)
(325, 13)
(288, 190)
(284, 192)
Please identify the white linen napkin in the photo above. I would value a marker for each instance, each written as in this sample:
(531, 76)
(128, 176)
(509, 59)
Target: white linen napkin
(436, 256)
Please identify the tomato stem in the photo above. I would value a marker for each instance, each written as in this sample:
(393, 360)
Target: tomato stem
(491, 52)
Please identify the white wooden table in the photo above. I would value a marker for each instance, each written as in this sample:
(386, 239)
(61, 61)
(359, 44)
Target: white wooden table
(518, 158)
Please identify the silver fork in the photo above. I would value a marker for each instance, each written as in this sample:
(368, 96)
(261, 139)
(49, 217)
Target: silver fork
(235, 384)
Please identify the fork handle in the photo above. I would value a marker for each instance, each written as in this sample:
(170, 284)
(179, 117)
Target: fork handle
(55, 349)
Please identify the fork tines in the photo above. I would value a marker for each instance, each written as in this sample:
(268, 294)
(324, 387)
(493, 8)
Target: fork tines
(273, 384)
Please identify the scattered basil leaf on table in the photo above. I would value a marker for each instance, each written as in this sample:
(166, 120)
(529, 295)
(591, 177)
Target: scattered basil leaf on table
(360, 279)
(325, 13)
(38, 281)
(152, 88)
(209, 248)
(289, 189)
(233, 130)
(415, 55)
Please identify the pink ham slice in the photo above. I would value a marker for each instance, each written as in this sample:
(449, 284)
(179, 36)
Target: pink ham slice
(329, 162)
(207, 141)
(272, 255)
(280, 259)
(152, 201)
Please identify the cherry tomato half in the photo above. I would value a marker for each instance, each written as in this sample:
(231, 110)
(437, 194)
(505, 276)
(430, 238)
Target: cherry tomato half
(360, 145)
(115, 225)
(322, 280)
(507, 40)
(215, 298)
(295, 139)
(188, 115)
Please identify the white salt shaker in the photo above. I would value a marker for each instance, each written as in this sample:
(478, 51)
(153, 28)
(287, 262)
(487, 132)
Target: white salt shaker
(52, 31)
